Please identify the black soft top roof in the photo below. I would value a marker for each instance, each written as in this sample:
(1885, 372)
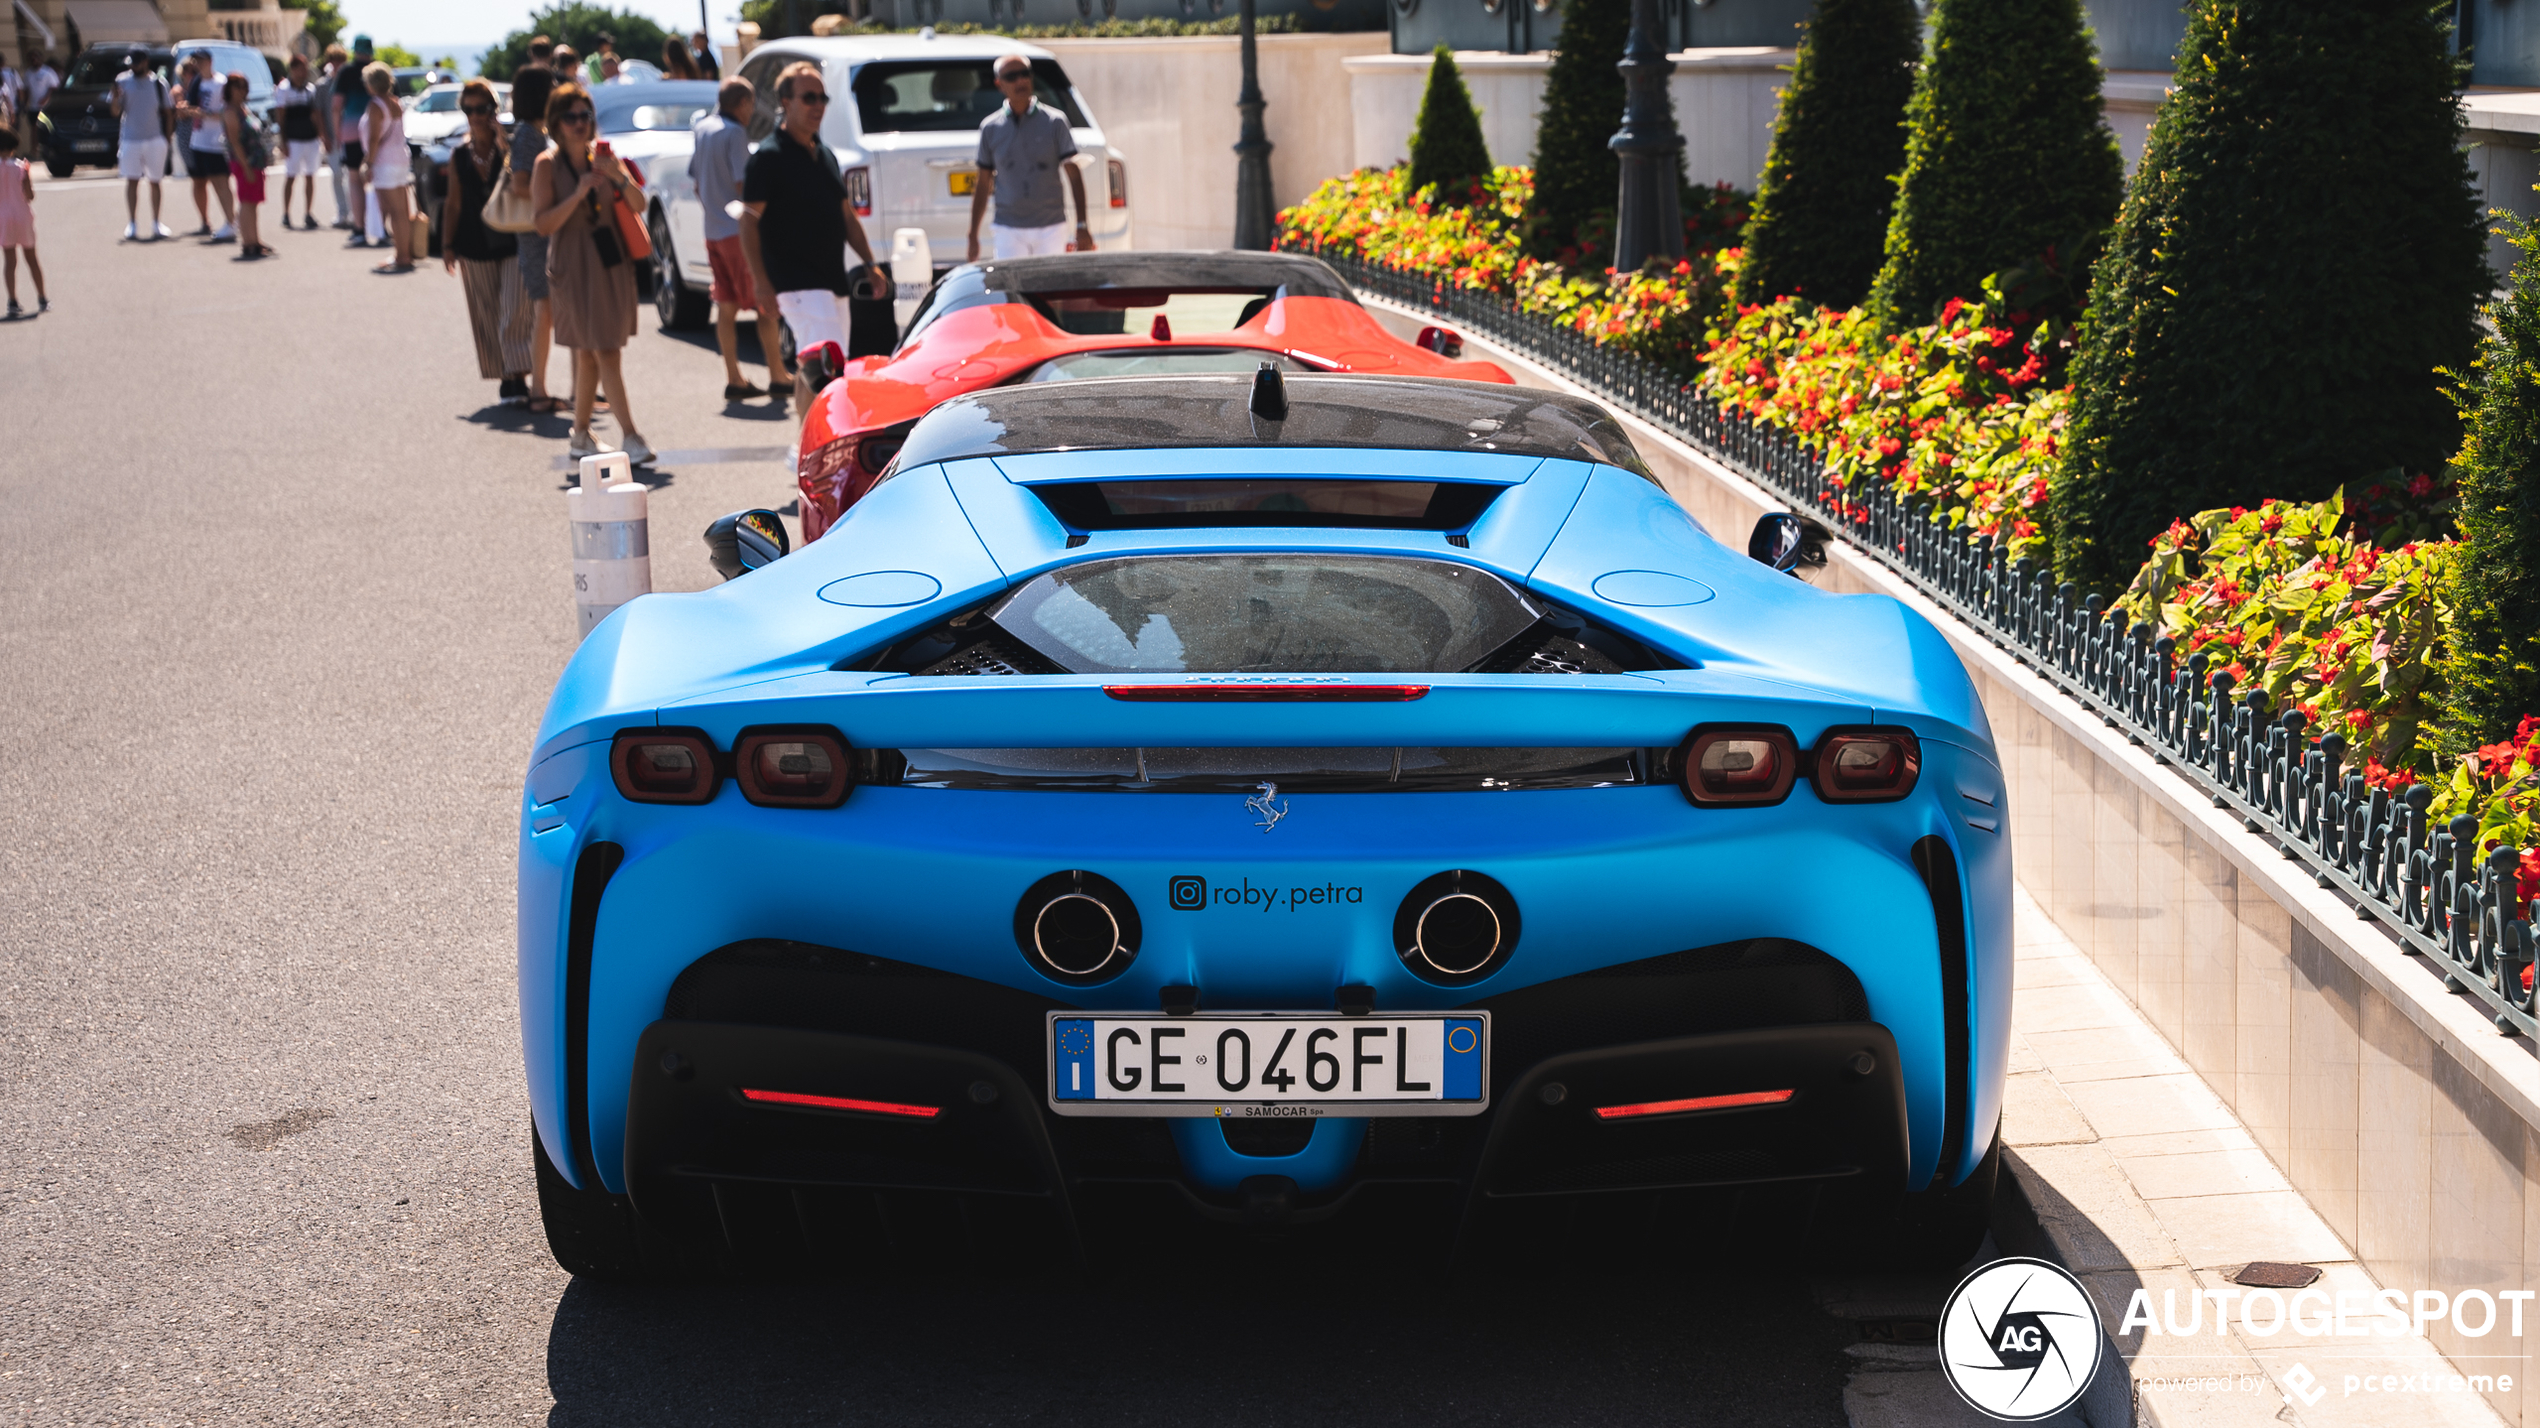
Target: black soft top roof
(1071, 272)
(1145, 413)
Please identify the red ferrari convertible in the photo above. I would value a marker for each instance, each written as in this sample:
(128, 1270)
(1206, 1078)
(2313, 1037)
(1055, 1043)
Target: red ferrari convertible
(1097, 315)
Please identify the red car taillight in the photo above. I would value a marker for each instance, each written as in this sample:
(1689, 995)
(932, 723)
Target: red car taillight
(1866, 765)
(860, 191)
(663, 766)
(792, 768)
(1728, 766)
(1119, 175)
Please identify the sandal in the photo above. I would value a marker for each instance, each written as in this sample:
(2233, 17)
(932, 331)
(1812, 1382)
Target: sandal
(549, 406)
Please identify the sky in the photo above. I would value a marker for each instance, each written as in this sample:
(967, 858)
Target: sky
(433, 28)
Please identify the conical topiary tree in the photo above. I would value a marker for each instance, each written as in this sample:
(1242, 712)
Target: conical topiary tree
(2301, 251)
(1576, 175)
(1446, 141)
(2491, 672)
(2006, 153)
(1820, 218)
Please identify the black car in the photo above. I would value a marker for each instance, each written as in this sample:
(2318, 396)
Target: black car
(78, 124)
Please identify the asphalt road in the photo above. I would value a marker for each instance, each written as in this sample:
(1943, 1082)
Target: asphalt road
(281, 596)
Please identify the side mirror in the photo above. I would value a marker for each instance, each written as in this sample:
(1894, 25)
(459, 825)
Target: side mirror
(745, 540)
(1790, 543)
(1444, 341)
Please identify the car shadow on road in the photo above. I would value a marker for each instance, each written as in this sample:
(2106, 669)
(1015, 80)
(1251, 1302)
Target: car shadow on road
(1164, 1336)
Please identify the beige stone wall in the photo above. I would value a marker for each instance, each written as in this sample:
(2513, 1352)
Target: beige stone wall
(1168, 105)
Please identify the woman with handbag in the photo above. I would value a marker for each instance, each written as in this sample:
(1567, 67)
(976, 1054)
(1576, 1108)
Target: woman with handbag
(516, 213)
(391, 163)
(581, 192)
(249, 157)
(498, 310)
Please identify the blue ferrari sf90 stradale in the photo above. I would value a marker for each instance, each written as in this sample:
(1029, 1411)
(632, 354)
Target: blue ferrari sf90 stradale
(1257, 800)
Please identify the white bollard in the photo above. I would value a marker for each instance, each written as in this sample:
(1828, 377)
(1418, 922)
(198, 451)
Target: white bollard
(912, 270)
(612, 544)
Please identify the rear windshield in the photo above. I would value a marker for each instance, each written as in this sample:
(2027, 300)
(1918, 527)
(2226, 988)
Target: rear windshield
(654, 107)
(922, 96)
(99, 70)
(1267, 501)
(231, 59)
(1269, 613)
(1157, 362)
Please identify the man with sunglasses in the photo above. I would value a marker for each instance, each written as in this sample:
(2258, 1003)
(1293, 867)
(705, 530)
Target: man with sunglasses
(1023, 148)
(797, 222)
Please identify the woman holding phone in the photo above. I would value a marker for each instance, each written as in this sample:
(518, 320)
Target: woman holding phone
(590, 277)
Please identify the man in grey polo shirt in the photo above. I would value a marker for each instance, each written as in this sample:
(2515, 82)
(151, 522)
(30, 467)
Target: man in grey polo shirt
(1023, 148)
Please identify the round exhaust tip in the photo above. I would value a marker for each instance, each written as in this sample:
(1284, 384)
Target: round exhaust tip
(1077, 926)
(1456, 927)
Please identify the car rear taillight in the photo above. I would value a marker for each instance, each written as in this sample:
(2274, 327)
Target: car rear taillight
(840, 1103)
(1728, 766)
(792, 768)
(1118, 173)
(1730, 1102)
(663, 766)
(875, 452)
(860, 191)
(1267, 693)
(1866, 765)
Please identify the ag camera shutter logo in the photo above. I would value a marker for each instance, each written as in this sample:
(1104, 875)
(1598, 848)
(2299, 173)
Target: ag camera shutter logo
(2020, 1340)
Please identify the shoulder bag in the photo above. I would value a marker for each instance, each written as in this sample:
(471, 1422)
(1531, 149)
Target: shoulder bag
(506, 211)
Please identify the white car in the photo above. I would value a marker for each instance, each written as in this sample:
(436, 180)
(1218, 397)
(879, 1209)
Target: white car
(434, 114)
(904, 124)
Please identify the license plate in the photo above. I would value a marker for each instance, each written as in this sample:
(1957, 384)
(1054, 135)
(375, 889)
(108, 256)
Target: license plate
(1237, 1064)
(90, 146)
(962, 181)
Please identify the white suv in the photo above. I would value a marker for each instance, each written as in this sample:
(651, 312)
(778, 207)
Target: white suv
(904, 124)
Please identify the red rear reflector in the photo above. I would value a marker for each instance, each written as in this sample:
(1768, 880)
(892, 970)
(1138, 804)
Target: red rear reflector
(1698, 1103)
(1268, 693)
(843, 1103)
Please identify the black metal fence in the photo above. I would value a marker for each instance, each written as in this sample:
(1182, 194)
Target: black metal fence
(2380, 848)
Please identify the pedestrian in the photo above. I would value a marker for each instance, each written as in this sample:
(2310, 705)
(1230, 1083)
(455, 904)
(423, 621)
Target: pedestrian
(248, 159)
(350, 98)
(37, 86)
(488, 262)
(613, 71)
(17, 223)
(703, 52)
(590, 278)
(718, 166)
(390, 166)
(675, 63)
(331, 142)
(295, 106)
(1023, 148)
(797, 222)
(141, 104)
(12, 91)
(606, 51)
(565, 62)
(198, 112)
(541, 51)
(531, 87)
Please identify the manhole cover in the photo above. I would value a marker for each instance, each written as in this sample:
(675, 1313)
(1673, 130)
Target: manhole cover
(2269, 1274)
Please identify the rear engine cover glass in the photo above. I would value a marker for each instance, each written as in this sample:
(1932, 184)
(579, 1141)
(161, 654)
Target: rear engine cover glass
(1271, 613)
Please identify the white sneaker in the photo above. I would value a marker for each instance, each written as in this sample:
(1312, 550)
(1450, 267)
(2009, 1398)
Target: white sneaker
(131, 231)
(228, 233)
(166, 232)
(639, 452)
(578, 447)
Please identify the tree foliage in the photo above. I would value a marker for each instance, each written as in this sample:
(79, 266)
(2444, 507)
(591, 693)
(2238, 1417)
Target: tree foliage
(2301, 252)
(577, 25)
(1820, 219)
(1576, 175)
(2006, 154)
(324, 19)
(2492, 672)
(1446, 141)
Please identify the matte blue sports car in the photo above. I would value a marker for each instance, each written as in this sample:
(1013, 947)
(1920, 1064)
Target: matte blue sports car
(1256, 801)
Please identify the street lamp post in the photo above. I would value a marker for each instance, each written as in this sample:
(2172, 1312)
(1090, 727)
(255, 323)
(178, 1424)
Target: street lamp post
(1254, 208)
(1648, 222)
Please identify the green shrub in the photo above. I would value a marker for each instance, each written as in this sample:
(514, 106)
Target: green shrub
(580, 26)
(1576, 175)
(2301, 251)
(2492, 673)
(1446, 141)
(2006, 157)
(1820, 217)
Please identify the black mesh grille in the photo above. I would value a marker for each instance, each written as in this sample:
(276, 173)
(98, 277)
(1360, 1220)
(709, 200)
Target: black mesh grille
(1770, 981)
(1557, 655)
(995, 655)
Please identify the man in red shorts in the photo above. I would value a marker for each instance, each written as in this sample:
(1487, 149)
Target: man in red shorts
(722, 153)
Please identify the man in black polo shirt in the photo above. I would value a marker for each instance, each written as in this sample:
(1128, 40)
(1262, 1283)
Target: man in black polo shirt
(796, 222)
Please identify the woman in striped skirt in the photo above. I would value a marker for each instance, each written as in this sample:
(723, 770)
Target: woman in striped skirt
(488, 261)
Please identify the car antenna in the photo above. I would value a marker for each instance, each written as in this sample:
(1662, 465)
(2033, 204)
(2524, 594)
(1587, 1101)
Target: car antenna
(1269, 394)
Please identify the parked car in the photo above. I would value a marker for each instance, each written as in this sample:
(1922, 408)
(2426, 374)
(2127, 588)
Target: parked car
(906, 144)
(1248, 799)
(1082, 315)
(434, 129)
(78, 125)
